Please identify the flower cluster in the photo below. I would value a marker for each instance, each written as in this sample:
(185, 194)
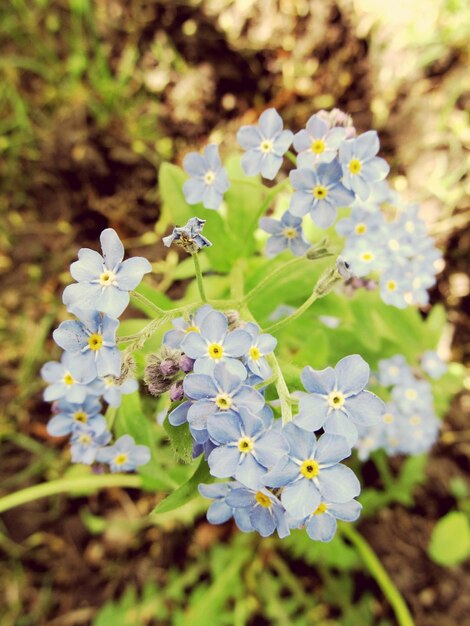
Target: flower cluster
(400, 251)
(408, 424)
(90, 366)
(282, 475)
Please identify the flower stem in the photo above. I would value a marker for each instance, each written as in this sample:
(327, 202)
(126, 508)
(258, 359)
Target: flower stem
(278, 270)
(292, 158)
(200, 284)
(381, 577)
(147, 302)
(293, 316)
(282, 389)
(84, 484)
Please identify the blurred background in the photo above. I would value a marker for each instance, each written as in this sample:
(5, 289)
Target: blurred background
(93, 97)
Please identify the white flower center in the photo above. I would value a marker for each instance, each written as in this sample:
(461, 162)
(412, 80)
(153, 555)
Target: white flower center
(209, 177)
(266, 146)
(107, 278)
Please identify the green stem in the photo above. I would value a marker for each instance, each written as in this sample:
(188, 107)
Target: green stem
(147, 302)
(146, 332)
(292, 158)
(381, 577)
(282, 389)
(293, 316)
(381, 463)
(278, 270)
(200, 283)
(86, 484)
(272, 193)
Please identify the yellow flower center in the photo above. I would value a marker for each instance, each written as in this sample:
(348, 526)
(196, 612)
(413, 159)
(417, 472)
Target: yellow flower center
(318, 146)
(392, 285)
(254, 353)
(290, 233)
(246, 444)
(410, 227)
(85, 439)
(209, 177)
(388, 418)
(415, 420)
(192, 329)
(68, 379)
(393, 370)
(263, 500)
(361, 229)
(109, 381)
(95, 342)
(309, 469)
(394, 245)
(266, 146)
(320, 192)
(121, 458)
(223, 401)
(321, 508)
(411, 394)
(215, 351)
(80, 416)
(367, 257)
(336, 399)
(107, 278)
(355, 166)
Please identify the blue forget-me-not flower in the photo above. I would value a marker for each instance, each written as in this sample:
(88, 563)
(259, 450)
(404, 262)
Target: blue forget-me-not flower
(124, 455)
(69, 414)
(265, 145)
(63, 385)
(208, 179)
(173, 338)
(189, 236)
(265, 511)
(361, 166)
(86, 440)
(318, 142)
(286, 234)
(432, 364)
(321, 524)
(104, 281)
(261, 345)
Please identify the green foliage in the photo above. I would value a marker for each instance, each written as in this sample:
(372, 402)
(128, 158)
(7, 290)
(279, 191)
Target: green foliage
(187, 491)
(450, 539)
(181, 440)
(336, 554)
(133, 609)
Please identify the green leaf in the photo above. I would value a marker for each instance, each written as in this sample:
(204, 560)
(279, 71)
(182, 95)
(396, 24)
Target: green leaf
(450, 539)
(337, 553)
(181, 440)
(187, 491)
(131, 420)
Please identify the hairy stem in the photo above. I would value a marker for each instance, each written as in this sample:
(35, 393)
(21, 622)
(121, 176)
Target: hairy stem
(278, 270)
(86, 484)
(293, 316)
(379, 574)
(292, 158)
(200, 283)
(147, 302)
(282, 389)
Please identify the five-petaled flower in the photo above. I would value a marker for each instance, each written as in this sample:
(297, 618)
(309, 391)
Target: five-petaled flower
(361, 166)
(286, 235)
(124, 455)
(208, 179)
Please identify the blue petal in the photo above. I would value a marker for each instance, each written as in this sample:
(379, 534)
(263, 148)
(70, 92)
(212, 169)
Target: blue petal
(111, 301)
(299, 246)
(226, 380)
(199, 386)
(270, 166)
(249, 471)
(376, 169)
(218, 513)
(301, 203)
(302, 444)
(270, 447)
(365, 409)
(179, 415)
(193, 190)
(367, 145)
(237, 342)
(318, 381)
(275, 245)
(332, 449)
(301, 498)
(338, 484)
(131, 271)
(194, 164)
(212, 199)
(339, 424)
(199, 412)
(211, 154)
(60, 425)
(70, 336)
(270, 225)
(225, 429)
(323, 215)
(194, 345)
(89, 265)
(348, 511)
(352, 374)
(270, 123)
(313, 411)
(240, 498)
(282, 142)
(263, 521)
(283, 473)
(214, 327)
(108, 362)
(249, 137)
(321, 527)
(113, 250)
(252, 162)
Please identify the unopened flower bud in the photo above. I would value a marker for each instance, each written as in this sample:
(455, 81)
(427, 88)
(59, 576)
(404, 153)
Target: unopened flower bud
(343, 268)
(186, 364)
(336, 117)
(332, 276)
(168, 367)
(233, 318)
(176, 391)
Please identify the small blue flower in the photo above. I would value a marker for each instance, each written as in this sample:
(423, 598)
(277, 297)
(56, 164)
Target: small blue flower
(112, 390)
(410, 224)
(124, 455)
(394, 370)
(104, 282)
(394, 286)
(246, 447)
(68, 415)
(265, 511)
(317, 143)
(87, 440)
(261, 345)
(174, 337)
(319, 192)
(219, 511)
(208, 179)
(312, 472)
(286, 234)
(365, 255)
(361, 166)
(221, 392)
(189, 236)
(321, 524)
(214, 343)
(360, 223)
(265, 145)
(432, 364)
(63, 384)
(413, 396)
(92, 343)
(337, 401)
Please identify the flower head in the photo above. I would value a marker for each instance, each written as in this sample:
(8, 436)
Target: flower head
(261, 345)
(63, 385)
(286, 234)
(337, 400)
(124, 455)
(188, 236)
(319, 192)
(219, 511)
(69, 414)
(92, 343)
(321, 523)
(183, 326)
(208, 179)
(265, 512)
(318, 142)
(432, 364)
(86, 440)
(265, 145)
(361, 166)
(104, 282)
